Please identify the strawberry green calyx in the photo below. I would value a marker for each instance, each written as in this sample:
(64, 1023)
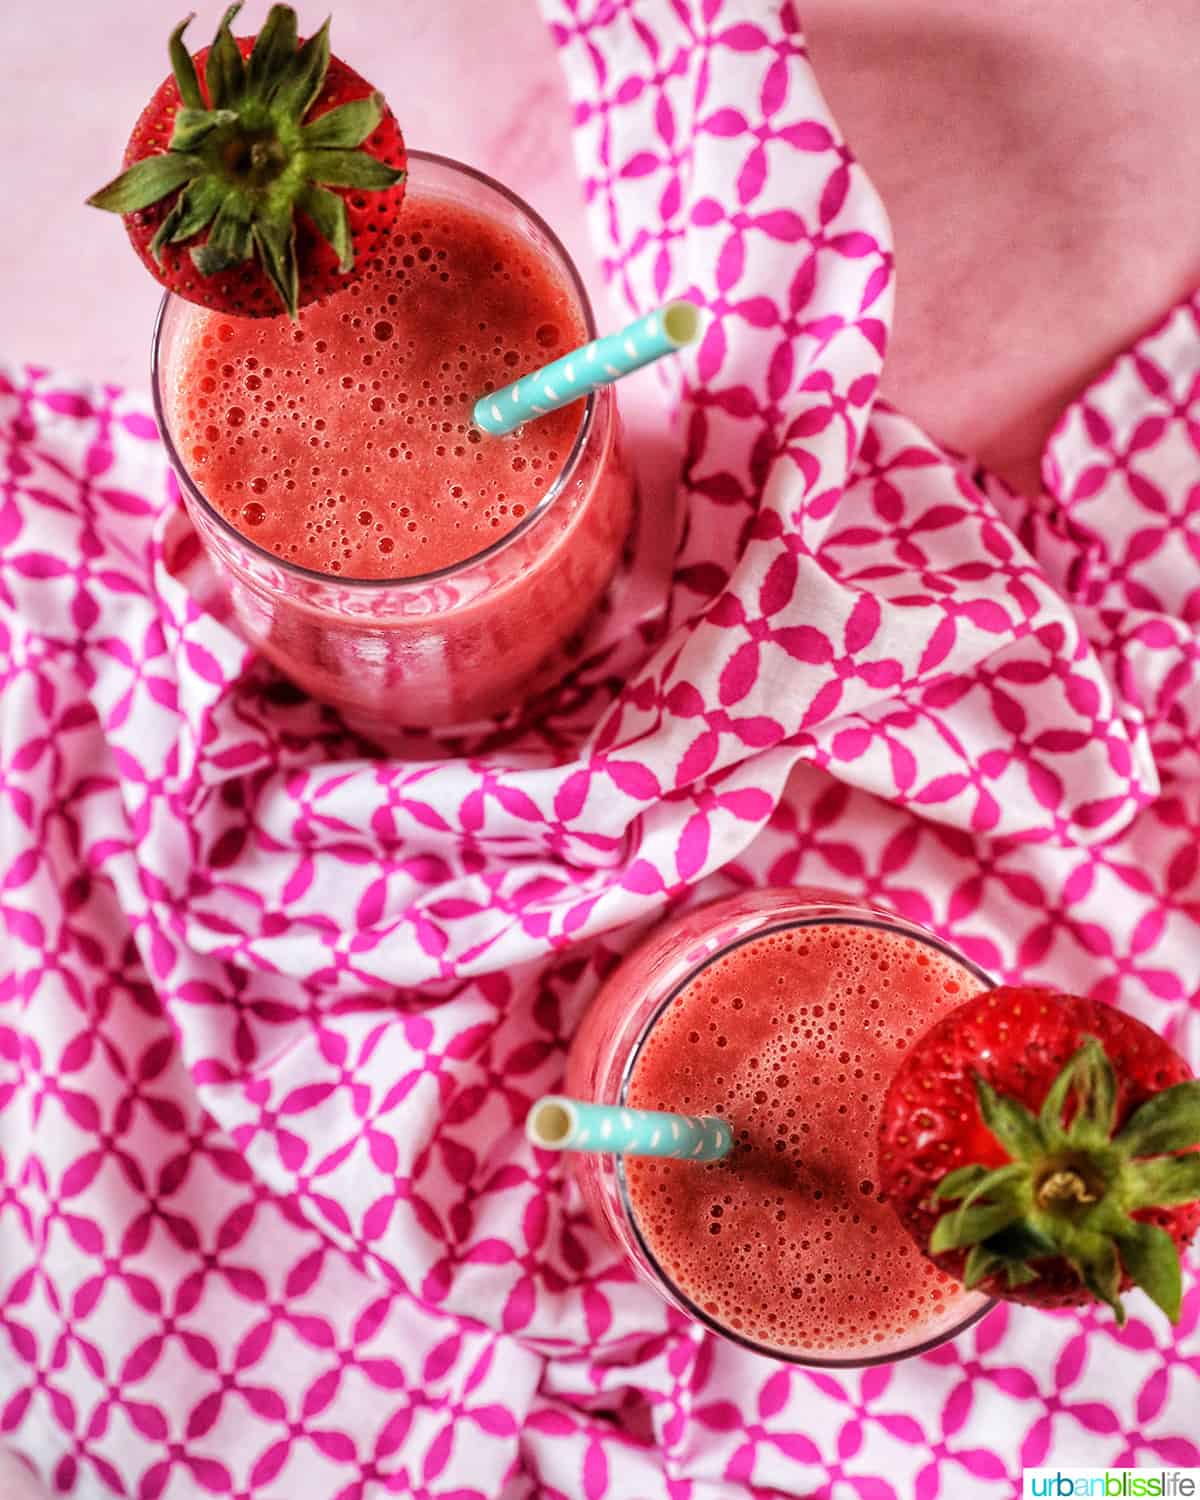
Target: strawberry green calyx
(242, 162)
(1072, 1188)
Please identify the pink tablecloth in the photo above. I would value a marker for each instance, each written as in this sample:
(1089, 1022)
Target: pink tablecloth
(272, 1010)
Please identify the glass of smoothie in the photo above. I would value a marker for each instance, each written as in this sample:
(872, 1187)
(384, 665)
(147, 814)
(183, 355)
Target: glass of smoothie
(784, 1012)
(381, 551)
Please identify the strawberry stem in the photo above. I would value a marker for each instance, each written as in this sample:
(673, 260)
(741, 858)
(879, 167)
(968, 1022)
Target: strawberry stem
(1063, 1186)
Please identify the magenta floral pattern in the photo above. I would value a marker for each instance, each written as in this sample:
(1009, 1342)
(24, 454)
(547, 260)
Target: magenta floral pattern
(272, 1009)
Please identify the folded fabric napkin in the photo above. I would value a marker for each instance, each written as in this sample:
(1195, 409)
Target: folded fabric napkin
(272, 1009)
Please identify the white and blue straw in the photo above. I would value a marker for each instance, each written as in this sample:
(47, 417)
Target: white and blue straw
(559, 1124)
(664, 331)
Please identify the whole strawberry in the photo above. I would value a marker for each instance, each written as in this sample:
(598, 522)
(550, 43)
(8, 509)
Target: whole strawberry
(247, 188)
(1064, 1133)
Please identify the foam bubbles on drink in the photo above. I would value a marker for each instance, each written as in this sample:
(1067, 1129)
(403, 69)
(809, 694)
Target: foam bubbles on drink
(294, 432)
(793, 1040)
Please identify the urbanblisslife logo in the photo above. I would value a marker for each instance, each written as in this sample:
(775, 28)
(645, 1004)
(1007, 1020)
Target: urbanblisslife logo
(1120, 1484)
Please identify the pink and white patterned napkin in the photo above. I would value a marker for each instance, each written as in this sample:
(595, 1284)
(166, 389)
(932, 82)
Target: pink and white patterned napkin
(272, 1010)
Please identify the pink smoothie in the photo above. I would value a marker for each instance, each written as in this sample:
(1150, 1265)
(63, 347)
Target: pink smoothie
(791, 1033)
(345, 444)
(413, 572)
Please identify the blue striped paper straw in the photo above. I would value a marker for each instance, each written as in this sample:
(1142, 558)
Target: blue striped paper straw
(584, 370)
(559, 1124)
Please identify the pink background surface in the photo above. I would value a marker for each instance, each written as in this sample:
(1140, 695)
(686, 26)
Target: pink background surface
(77, 263)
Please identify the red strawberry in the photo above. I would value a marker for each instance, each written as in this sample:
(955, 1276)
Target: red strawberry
(248, 189)
(1065, 1132)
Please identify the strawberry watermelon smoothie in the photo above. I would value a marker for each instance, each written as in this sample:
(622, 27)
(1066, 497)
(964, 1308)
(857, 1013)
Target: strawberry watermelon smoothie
(425, 573)
(786, 1013)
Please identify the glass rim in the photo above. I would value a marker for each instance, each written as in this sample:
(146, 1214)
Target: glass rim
(871, 917)
(451, 570)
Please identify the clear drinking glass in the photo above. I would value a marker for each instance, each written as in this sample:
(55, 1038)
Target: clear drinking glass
(616, 1028)
(465, 642)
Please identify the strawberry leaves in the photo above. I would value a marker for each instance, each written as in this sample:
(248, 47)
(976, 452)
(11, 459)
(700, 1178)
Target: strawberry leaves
(993, 1202)
(1163, 1180)
(346, 126)
(225, 74)
(145, 183)
(184, 68)
(1148, 1254)
(276, 246)
(299, 82)
(274, 46)
(193, 125)
(1070, 1187)
(982, 1262)
(247, 160)
(229, 239)
(972, 1226)
(958, 1183)
(1089, 1075)
(328, 213)
(1011, 1123)
(352, 169)
(1099, 1267)
(192, 210)
(1169, 1121)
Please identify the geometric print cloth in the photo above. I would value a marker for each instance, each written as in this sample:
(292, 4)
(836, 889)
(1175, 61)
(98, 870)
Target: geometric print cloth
(272, 1006)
